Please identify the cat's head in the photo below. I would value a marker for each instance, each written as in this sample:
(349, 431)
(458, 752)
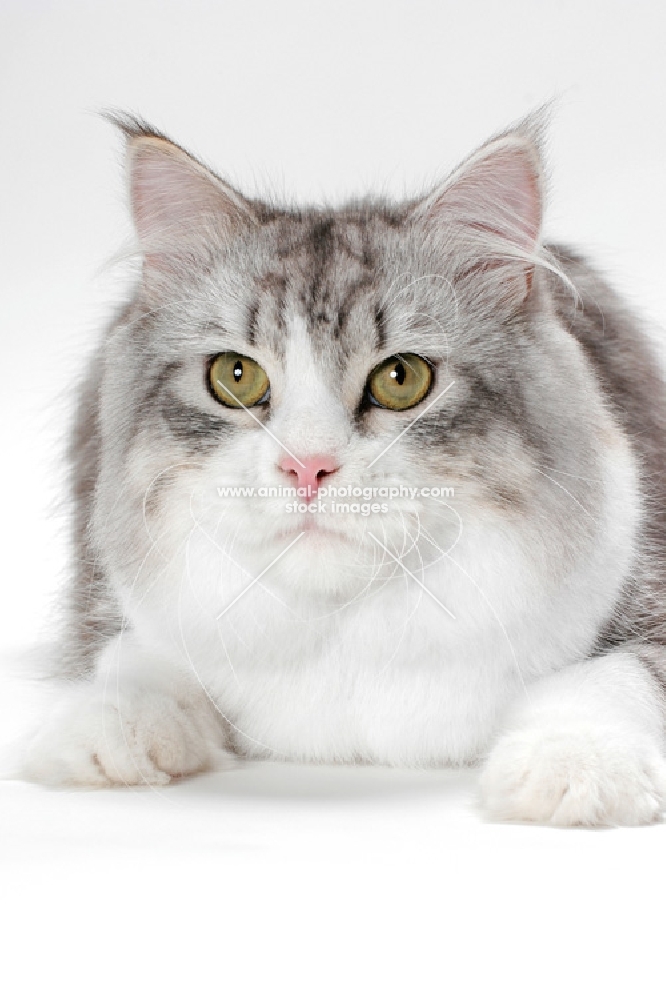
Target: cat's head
(375, 346)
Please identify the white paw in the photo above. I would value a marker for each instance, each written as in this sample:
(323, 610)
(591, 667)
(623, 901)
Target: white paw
(146, 737)
(580, 775)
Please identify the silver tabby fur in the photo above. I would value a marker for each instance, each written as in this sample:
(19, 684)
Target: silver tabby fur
(538, 644)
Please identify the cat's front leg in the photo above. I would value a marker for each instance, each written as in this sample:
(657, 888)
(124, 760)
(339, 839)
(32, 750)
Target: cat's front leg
(585, 747)
(139, 719)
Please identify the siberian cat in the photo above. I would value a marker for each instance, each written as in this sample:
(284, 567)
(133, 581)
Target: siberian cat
(455, 550)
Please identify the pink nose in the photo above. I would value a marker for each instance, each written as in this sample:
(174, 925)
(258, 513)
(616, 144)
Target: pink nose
(311, 471)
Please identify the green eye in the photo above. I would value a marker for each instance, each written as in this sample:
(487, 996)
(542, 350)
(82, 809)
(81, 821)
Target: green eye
(400, 382)
(238, 381)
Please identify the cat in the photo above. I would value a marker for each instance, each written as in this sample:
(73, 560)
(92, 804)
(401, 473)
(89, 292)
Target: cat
(492, 590)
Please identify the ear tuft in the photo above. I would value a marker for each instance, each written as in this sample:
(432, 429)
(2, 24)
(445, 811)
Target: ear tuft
(489, 211)
(181, 209)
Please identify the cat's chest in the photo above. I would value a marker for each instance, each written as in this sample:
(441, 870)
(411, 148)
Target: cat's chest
(409, 714)
(408, 672)
(391, 680)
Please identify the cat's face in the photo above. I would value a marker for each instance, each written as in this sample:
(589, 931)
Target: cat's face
(369, 348)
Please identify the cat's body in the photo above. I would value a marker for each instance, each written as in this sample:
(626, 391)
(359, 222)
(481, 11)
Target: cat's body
(521, 620)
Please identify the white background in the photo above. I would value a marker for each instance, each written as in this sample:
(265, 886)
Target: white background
(273, 880)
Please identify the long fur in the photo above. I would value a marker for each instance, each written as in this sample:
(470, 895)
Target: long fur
(520, 623)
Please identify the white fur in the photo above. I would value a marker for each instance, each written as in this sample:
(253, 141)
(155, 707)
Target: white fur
(133, 723)
(585, 747)
(337, 655)
(377, 671)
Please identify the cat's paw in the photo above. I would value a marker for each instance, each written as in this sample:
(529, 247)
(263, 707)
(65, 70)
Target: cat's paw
(577, 775)
(146, 737)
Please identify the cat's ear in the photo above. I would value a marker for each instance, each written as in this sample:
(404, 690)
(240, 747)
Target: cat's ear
(181, 210)
(488, 215)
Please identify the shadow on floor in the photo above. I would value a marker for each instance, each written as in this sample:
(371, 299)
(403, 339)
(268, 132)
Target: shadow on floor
(306, 782)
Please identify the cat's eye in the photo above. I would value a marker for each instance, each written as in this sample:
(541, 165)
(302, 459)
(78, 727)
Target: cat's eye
(237, 380)
(400, 382)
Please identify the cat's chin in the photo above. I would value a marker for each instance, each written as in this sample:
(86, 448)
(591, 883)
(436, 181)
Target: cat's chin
(321, 560)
